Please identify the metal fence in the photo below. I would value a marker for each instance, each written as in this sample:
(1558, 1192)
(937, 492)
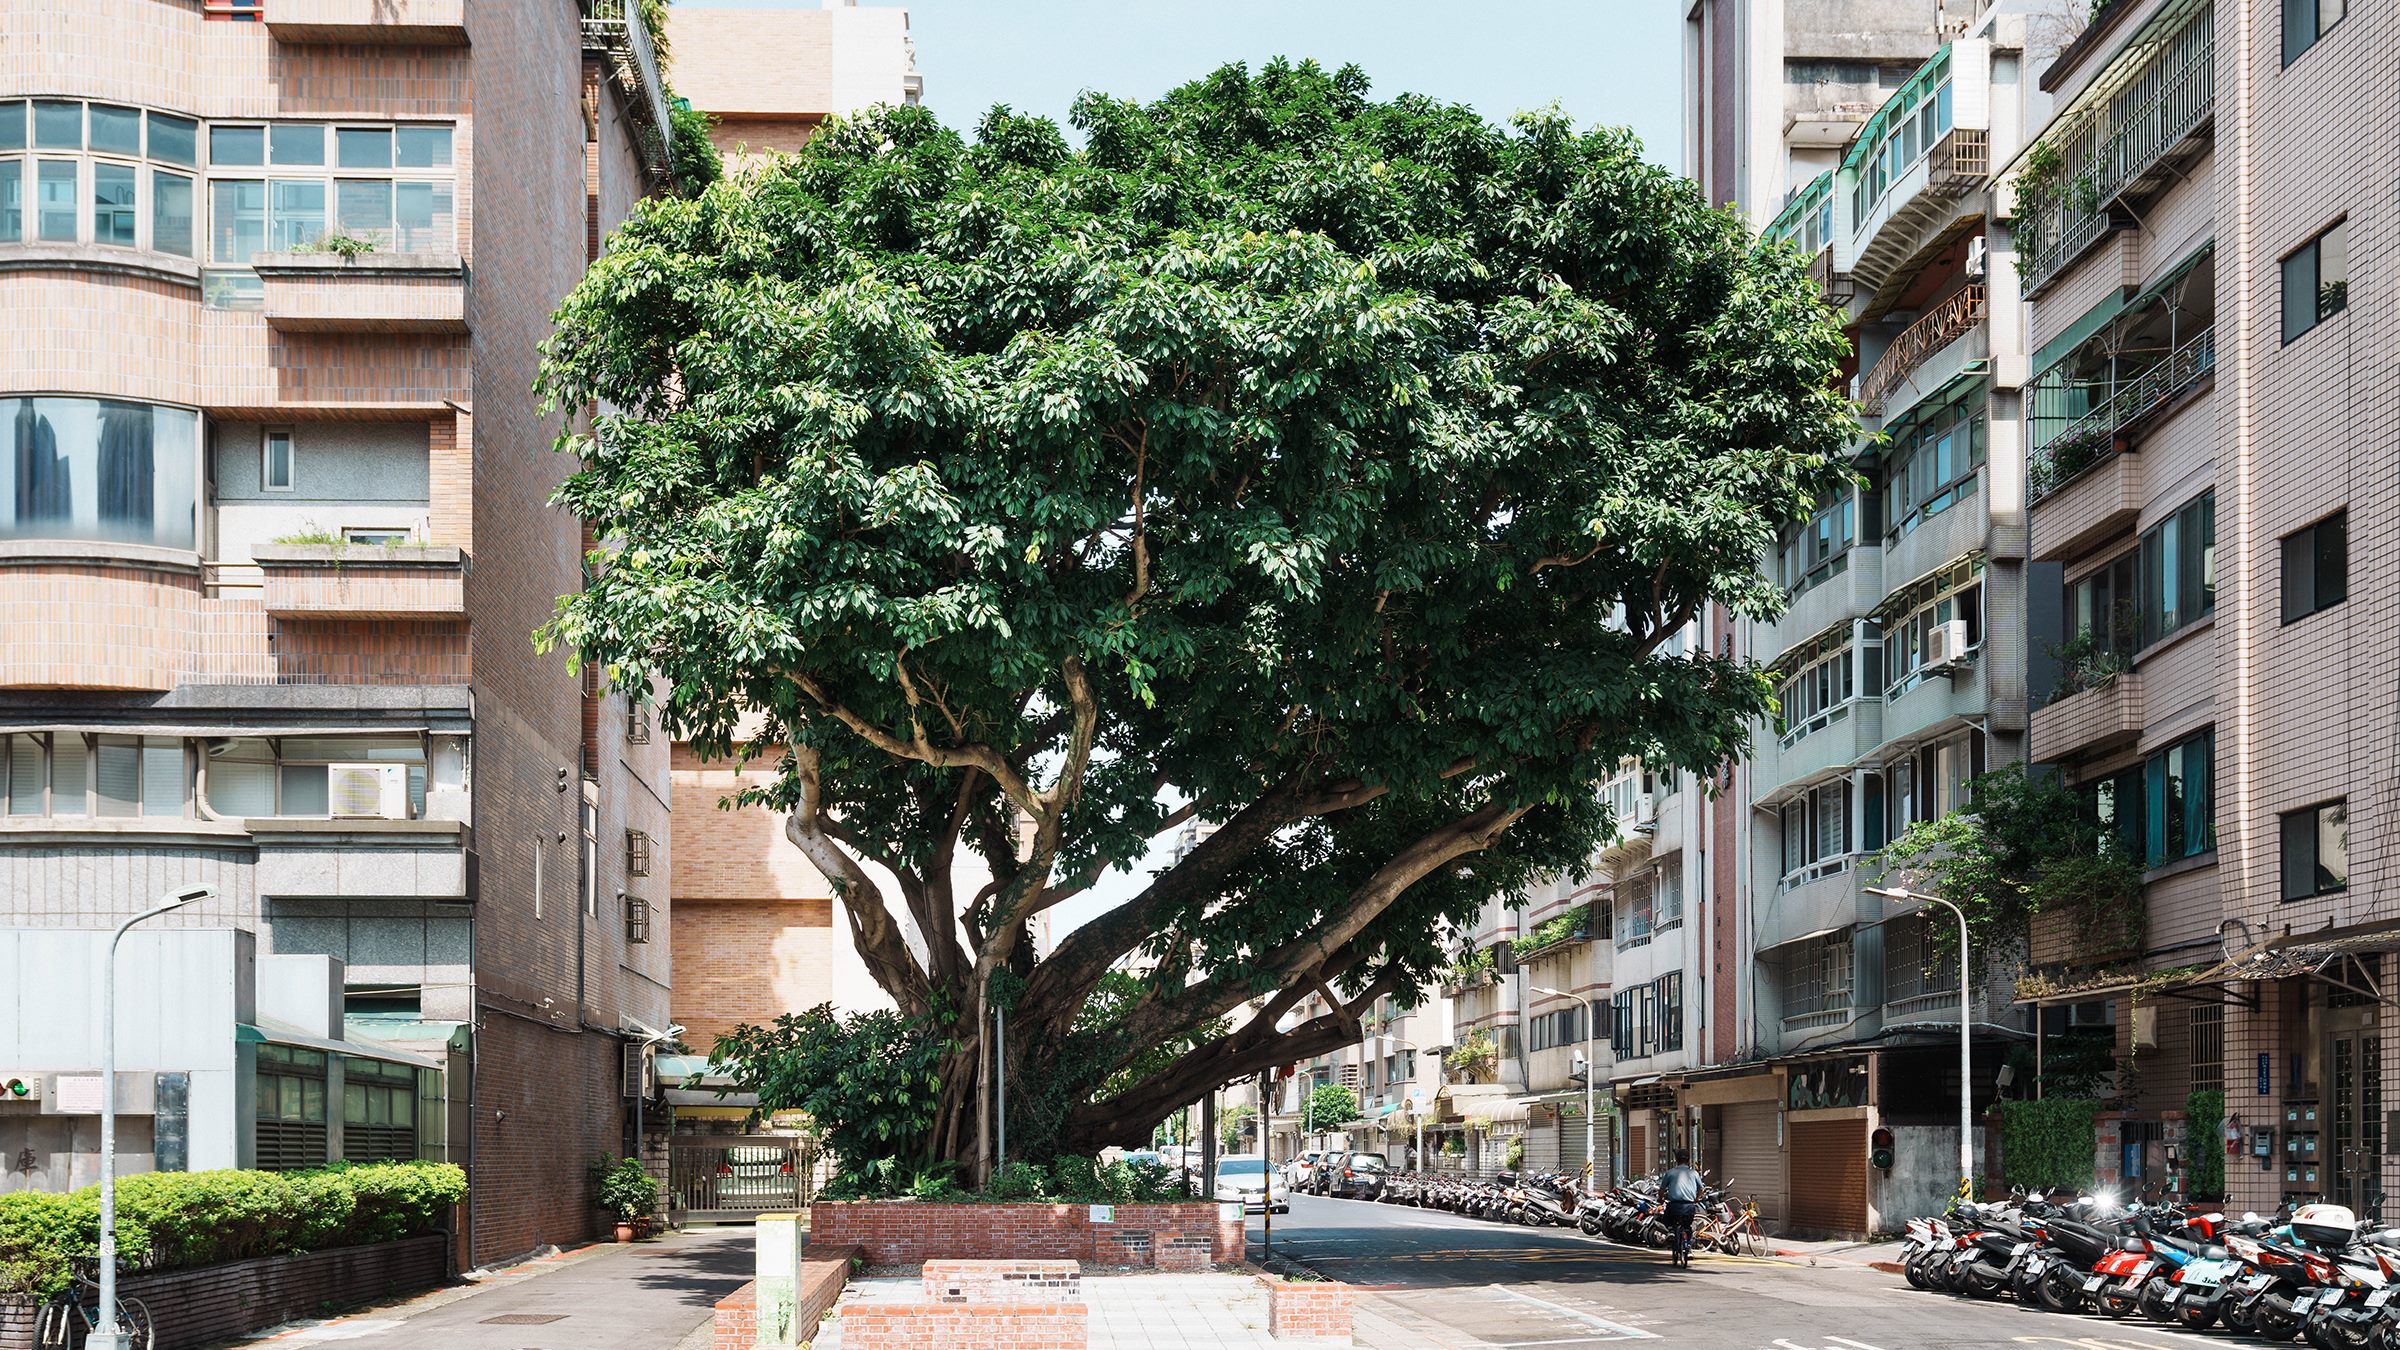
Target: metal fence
(742, 1177)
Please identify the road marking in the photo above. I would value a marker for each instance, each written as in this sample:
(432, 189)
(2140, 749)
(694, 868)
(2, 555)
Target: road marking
(2092, 1343)
(1616, 1329)
(1857, 1345)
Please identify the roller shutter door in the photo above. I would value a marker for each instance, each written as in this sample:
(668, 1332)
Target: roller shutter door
(1570, 1146)
(1637, 1150)
(1828, 1176)
(1541, 1148)
(1750, 1158)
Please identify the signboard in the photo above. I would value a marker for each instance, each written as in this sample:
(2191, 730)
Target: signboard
(79, 1094)
(2266, 1075)
(1104, 1214)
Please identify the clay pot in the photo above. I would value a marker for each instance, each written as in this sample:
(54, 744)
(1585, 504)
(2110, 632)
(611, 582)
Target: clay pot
(625, 1231)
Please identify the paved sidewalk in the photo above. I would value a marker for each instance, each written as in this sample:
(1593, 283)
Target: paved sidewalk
(1216, 1311)
(640, 1296)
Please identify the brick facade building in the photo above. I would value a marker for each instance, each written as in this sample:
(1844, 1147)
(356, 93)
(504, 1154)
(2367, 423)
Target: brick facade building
(275, 542)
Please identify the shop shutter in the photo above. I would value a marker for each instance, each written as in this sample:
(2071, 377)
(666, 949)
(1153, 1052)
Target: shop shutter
(1541, 1148)
(1828, 1176)
(1637, 1150)
(1751, 1159)
(1570, 1146)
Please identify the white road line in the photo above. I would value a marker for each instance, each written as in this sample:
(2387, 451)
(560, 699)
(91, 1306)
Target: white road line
(1858, 1345)
(1615, 1329)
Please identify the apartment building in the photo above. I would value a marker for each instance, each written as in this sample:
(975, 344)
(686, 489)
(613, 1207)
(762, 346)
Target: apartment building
(277, 539)
(2211, 339)
(758, 930)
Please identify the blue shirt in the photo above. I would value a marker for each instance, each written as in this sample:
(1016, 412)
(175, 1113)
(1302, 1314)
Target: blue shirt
(1681, 1183)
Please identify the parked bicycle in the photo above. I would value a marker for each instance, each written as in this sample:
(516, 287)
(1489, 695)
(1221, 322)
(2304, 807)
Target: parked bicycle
(74, 1314)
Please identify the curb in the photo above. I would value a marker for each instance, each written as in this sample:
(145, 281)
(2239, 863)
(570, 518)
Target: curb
(1887, 1267)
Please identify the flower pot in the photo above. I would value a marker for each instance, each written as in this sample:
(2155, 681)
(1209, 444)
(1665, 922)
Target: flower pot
(641, 1225)
(625, 1230)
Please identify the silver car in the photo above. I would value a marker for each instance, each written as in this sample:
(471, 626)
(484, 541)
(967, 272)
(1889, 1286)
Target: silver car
(1243, 1177)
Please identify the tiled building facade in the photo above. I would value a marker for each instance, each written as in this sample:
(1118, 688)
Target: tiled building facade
(277, 539)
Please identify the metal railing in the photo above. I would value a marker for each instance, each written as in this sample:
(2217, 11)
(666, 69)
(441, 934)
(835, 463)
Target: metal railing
(2165, 98)
(1959, 161)
(2058, 458)
(731, 1177)
(613, 30)
(1948, 321)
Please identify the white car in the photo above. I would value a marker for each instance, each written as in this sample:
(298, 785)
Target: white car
(1243, 1177)
(1298, 1173)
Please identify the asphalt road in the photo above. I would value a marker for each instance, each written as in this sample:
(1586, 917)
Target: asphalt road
(1458, 1282)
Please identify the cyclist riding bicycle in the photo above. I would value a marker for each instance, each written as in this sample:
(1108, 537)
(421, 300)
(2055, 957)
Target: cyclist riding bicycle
(1681, 1188)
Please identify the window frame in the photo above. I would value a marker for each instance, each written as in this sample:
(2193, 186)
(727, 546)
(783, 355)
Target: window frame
(2319, 29)
(267, 438)
(2312, 817)
(1909, 631)
(2310, 539)
(1910, 502)
(2313, 248)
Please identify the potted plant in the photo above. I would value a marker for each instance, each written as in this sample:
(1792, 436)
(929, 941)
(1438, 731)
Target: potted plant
(626, 1192)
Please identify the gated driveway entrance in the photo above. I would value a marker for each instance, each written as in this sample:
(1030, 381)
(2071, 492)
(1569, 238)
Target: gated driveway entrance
(732, 1178)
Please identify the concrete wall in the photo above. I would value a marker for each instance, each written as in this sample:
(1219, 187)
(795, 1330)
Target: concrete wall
(1924, 1175)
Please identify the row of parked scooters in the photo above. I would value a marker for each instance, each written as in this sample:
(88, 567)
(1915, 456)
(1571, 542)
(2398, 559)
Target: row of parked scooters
(2314, 1271)
(1633, 1213)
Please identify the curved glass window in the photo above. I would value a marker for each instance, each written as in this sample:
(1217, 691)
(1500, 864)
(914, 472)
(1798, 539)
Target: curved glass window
(93, 468)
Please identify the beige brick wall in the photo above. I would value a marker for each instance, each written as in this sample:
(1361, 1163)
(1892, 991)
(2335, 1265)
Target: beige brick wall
(749, 960)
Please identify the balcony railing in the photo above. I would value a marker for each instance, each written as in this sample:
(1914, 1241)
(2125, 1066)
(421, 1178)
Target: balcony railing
(2165, 99)
(1949, 321)
(615, 33)
(2091, 438)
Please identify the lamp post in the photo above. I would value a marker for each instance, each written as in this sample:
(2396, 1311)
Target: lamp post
(1591, 1070)
(107, 1334)
(1966, 1075)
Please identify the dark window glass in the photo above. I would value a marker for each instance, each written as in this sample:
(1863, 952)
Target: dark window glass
(2316, 567)
(421, 147)
(363, 147)
(174, 139)
(113, 216)
(237, 145)
(2304, 21)
(12, 125)
(2179, 569)
(115, 130)
(296, 143)
(2316, 850)
(2316, 281)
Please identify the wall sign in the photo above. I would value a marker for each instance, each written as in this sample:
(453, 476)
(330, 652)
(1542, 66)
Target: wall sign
(2266, 1075)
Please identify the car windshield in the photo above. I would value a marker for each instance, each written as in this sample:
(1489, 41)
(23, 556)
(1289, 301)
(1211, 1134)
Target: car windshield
(1371, 1162)
(1235, 1168)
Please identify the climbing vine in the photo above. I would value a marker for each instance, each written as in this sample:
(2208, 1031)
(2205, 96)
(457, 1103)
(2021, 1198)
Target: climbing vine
(2048, 1143)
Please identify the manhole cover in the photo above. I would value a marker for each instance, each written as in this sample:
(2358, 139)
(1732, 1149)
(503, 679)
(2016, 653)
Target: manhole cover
(523, 1319)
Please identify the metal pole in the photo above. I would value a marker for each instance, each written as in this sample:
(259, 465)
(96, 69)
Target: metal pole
(1266, 1154)
(1591, 1079)
(1966, 1065)
(1000, 1073)
(106, 1334)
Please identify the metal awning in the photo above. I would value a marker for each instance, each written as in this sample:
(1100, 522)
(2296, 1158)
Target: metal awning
(267, 1031)
(2279, 958)
(1805, 937)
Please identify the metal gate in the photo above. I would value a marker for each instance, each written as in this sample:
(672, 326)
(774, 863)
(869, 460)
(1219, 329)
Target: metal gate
(1829, 1176)
(1749, 1156)
(743, 1176)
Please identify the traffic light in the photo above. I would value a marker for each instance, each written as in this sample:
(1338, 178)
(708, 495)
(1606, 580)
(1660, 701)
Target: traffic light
(14, 1088)
(1879, 1148)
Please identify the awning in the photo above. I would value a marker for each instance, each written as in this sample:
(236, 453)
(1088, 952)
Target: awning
(2279, 958)
(267, 1031)
(426, 1037)
(680, 1098)
(1804, 937)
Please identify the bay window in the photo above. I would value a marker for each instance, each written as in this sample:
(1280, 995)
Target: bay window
(2162, 809)
(1935, 459)
(1918, 639)
(1817, 833)
(101, 469)
(1932, 781)
(1820, 680)
(86, 181)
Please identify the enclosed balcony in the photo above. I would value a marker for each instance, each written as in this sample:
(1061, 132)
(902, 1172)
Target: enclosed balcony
(363, 293)
(362, 581)
(2126, 138)
(1926, 150)
(1950, 319)
(416, 23)
(2087, 715)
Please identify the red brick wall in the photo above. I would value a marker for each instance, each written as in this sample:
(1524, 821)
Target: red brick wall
(1308, 1310)
(748, 960)
(821, 1281)
(1002, 1281)
(959, 1326)
(898, 1232)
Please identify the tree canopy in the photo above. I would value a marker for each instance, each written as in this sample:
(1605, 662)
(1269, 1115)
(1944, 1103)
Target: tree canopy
(1347, 475)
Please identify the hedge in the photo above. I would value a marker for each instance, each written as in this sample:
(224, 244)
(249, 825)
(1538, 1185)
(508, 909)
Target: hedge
(175, 1220)
(2048, 1143)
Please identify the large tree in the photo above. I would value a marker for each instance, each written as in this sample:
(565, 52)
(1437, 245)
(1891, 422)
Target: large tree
(1342, 474)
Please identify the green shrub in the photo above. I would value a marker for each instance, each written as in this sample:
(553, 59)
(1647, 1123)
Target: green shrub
(1018, 1181)
(2203, 1120)
(2048, 1143)
(175, 1220)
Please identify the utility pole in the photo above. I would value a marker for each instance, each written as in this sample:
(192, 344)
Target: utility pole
(1591, 1072)
(1966, 1058)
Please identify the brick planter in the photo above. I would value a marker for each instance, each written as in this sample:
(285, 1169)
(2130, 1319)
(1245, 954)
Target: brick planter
(966, 1326)
(1311, 1311)
(216, 1303)
(1190, 1236)
(821, 1279)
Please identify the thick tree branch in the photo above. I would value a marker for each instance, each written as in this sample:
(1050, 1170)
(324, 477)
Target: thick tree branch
(918, 747)
(878, 938)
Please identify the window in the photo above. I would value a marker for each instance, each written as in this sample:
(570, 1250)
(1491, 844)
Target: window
(1935, 461)
(138, 776)
(2207, 1048)
(2179, 799)
(1816, 834)
(12, 200)
(390, 185)
(54, 200)
(1819, 549)
(275, 462)
(2316, 850)
(375, 535)
(1821, 686)
(1817, 975)
(637, 853)
(1551, 1030)
(637, 723)
(1666, 906)
(2304, 21)
(2106, 603)
(637, 919)
(2179, 569)
(591, 858)
(2316, 281)
(379, 1111)
(48, 773)
(1648, 1019)
(1908, 125)
(288, 1104)
(1910, 967)
(1932, 624)
(171, 212)
(97, 190)
(114, 219)
(1641, 895)
(2316, 567)
(305, 777)
(1932, 781)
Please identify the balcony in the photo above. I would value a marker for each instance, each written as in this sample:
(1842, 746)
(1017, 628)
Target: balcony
(1921, 202)
(368, 859)
(613, 32)
(2125, 142)
(362, 581)
(416, 23)
(2100, 503)
(2074, 725)
(368, 293)
(2107, 430)
(1838, 738)
(1946, 323)
(1832, 283)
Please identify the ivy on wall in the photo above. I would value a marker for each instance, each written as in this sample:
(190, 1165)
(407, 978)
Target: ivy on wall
(2048, 1143)
(2203, 1120)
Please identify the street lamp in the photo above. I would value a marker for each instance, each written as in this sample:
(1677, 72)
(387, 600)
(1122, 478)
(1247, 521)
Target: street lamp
(1966, 1073)
(106, 1333)
(1591, 1069)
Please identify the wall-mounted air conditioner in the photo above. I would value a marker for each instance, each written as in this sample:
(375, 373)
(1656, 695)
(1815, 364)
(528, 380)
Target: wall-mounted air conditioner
(367, 791)
(1946, 642)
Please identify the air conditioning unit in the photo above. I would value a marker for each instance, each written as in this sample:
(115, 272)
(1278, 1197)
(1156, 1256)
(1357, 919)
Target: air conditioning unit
(2096, 1014)
(2145, 1027)
(368, 791)
(639, 1078)
(1946, 642)
(1645, 813)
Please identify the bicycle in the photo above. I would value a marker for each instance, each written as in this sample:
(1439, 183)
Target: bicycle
(66, 1319)
(1735, 1234)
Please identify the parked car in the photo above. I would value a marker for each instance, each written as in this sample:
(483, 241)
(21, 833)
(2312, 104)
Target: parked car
(1320, 1181)
(1300, 1171)
(1243, 1177)
(1362, 1176)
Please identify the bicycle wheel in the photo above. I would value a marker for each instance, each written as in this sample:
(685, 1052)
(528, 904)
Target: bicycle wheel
(133, 1316)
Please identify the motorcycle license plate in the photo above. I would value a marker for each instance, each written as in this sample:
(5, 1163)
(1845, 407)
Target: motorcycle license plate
(2304, 1302)
(2175, 1296)
(2257, 1282)
(2142, 1271)
(2020, 1249)
(2379, 1298)
(2092, 1285)
(2329, 1298)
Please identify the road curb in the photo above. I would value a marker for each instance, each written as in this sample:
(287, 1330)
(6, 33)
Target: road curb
(1887, 1267)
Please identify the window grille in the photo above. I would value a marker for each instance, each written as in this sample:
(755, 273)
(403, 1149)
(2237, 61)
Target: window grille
(637, 853)
(637, 919)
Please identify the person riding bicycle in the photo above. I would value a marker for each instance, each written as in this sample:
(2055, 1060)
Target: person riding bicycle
(1680, 1187)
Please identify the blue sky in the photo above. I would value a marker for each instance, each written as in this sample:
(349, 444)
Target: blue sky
(1613, 61)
